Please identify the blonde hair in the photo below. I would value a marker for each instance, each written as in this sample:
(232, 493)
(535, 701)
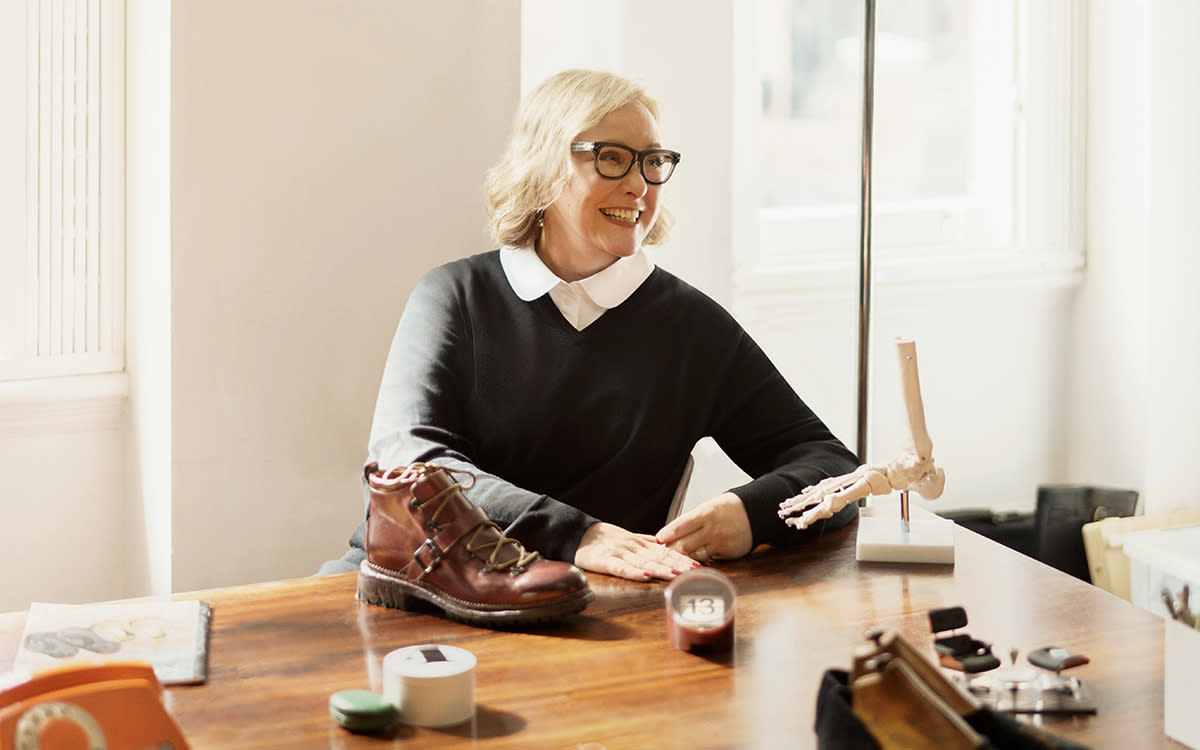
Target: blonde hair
(536, 165)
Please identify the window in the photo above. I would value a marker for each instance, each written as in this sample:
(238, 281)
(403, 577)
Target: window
(976, 147)
(61, 187)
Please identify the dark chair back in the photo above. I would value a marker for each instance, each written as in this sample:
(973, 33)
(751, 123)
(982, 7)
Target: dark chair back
(1015, 530)
(1063, 509)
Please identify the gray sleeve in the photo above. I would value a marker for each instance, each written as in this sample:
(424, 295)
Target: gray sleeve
(423, 414)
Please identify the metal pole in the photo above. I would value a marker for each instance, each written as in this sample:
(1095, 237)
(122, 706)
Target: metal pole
(864, 245)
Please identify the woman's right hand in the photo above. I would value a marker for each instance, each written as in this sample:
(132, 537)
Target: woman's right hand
(612, 550)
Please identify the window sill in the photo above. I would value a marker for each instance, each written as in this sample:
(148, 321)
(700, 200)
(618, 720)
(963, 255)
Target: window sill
(44, 406)
(1043, 269)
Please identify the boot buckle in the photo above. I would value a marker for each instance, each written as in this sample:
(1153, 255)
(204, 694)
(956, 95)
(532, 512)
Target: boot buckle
(434, 550)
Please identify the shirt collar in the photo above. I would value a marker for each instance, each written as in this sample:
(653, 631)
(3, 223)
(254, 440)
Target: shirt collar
(526, 272)
(530, 278)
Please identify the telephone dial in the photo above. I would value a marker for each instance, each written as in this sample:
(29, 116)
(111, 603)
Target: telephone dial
(91, 707)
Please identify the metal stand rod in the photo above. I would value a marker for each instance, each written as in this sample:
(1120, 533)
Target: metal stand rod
(904, 512)
(864, 245)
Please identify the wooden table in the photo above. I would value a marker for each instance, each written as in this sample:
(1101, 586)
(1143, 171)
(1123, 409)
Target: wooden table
(607, 679)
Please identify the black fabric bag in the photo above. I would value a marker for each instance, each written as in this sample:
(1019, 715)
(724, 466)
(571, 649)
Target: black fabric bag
(839, 729)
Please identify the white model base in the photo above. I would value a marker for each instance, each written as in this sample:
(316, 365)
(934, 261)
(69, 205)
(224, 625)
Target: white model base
(928, 540)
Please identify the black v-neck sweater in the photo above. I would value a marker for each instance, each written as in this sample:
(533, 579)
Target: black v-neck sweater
(563, 428)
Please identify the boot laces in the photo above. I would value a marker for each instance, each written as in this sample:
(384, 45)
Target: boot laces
(485, 535)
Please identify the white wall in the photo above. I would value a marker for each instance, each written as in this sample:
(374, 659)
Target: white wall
(303, 205)
(1135, 406)
(991, 371)
(1173, 324)
(148, 447)
(1108, 358)
(990, 348)
(1029, 377)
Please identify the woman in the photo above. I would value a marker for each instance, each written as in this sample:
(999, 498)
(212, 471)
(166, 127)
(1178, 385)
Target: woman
(573, 378)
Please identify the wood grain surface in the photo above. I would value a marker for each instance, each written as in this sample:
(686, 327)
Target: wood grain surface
(607, 679)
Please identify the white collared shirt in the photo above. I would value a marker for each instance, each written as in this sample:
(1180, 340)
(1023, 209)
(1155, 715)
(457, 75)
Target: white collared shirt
(580, 302)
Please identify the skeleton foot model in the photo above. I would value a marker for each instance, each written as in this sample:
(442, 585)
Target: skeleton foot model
(913, 470)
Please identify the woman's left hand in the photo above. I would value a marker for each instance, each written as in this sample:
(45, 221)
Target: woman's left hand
(716, 529)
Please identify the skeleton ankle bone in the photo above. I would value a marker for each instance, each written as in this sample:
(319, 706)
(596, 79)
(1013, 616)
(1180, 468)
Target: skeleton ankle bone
(912, 470)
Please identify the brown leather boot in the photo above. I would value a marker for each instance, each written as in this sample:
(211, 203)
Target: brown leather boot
(426, 541)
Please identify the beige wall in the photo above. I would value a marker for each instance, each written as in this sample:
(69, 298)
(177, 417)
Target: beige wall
(321, 160)
(61, 512)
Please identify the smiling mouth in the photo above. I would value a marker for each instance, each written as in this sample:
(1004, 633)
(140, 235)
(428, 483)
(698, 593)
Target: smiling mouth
(623, 215)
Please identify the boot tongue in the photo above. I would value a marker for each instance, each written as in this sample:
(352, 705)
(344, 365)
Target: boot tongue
(505, 551)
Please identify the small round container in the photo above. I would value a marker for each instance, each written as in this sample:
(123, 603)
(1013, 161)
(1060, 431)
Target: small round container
(700, 610)
(430, 685)
(361, 711)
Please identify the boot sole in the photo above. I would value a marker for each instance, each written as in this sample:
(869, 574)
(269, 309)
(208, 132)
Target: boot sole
(386, 588)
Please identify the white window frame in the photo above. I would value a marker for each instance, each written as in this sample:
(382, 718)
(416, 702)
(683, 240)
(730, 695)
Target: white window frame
(70, 281)
(1041, 190)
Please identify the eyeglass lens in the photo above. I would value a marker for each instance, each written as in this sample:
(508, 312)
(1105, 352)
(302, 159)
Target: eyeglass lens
(615, 161)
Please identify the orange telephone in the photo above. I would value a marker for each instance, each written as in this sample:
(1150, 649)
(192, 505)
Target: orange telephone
(93, 707)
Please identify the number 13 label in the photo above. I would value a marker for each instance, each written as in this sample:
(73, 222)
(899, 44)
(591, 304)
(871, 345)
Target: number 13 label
(701, 610)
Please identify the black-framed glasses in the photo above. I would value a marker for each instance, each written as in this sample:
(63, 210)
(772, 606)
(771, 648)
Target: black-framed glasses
(613, 160)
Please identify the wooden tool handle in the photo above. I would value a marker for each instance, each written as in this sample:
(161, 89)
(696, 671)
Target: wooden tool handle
(903, 713)
(891, 643)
